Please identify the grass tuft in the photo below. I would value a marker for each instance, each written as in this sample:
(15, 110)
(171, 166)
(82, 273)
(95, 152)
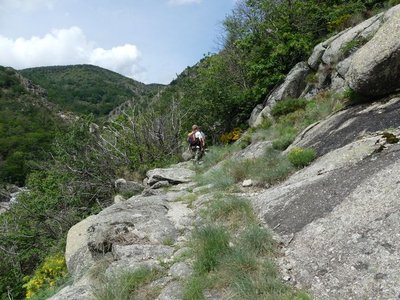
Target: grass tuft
(210, 243)
(123, 285)
(301, 157)
(258, 240)
(232, 210)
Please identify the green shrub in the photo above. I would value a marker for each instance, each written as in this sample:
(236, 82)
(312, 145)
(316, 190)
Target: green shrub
(283, 142)
(287, 106)
(300, 157)
(49, 274)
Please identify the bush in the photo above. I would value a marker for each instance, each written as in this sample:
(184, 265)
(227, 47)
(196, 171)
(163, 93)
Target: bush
(287, 106)
(47, 275)
(300, 157)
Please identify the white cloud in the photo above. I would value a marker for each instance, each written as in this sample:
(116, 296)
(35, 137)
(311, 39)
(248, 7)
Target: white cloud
(183, 2)
(69, 46)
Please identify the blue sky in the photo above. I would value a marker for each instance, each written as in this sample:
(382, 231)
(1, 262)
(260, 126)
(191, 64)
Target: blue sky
(148, 40)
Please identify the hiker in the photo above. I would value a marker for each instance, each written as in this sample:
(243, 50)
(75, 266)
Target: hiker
(203, 137)
(196, 142)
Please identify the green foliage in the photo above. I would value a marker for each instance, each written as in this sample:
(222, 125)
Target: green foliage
(300, 157)
(352, 97)
(287, 106)
(194, 288)
(27, 128)
(218, 178)
(47, 275)
(87, 89)
(394, 2)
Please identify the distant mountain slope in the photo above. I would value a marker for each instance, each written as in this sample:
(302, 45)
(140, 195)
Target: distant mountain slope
(27, 126)
(89, 89)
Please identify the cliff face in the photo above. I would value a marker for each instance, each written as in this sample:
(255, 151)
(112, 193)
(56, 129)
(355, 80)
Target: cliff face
(337, 219)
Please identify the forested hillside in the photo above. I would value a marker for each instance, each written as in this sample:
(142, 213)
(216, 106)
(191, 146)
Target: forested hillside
(262, 41)
(87, 89)
(27, 127)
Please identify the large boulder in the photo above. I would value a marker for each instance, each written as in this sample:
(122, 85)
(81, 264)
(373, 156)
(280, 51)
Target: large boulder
(139, 220)
(375, 68)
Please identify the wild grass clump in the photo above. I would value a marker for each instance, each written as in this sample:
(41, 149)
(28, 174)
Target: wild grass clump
(264, 284)
(301, 157)
(258, 240)
(122, 286)
(235, 263)
(269, 168)
(287, 106)
(234, 211)
(210, 243)
(194, 288)
(219, 179)
(216, 154)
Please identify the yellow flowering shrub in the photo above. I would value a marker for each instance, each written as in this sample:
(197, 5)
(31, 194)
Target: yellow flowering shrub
(47, 275)
(232, 136)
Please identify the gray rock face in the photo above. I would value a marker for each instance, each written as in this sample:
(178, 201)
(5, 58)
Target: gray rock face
(181, 270)
(172, 291)
(347, 125)
(172, 175)
(334, 52)
(126, 186)
(376, 66)
(138, 220)
(351, 250)
(339, 217)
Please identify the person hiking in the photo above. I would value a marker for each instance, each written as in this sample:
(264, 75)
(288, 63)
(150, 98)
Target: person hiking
(196, 142)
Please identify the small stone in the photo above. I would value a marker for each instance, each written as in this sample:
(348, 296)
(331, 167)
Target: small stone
(247, 183)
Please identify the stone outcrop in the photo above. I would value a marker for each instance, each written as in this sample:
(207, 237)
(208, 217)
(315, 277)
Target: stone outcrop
(365, 58)
(126, 186)
(168, 176)
(132, 234)
(375, 68)
(338, 217)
